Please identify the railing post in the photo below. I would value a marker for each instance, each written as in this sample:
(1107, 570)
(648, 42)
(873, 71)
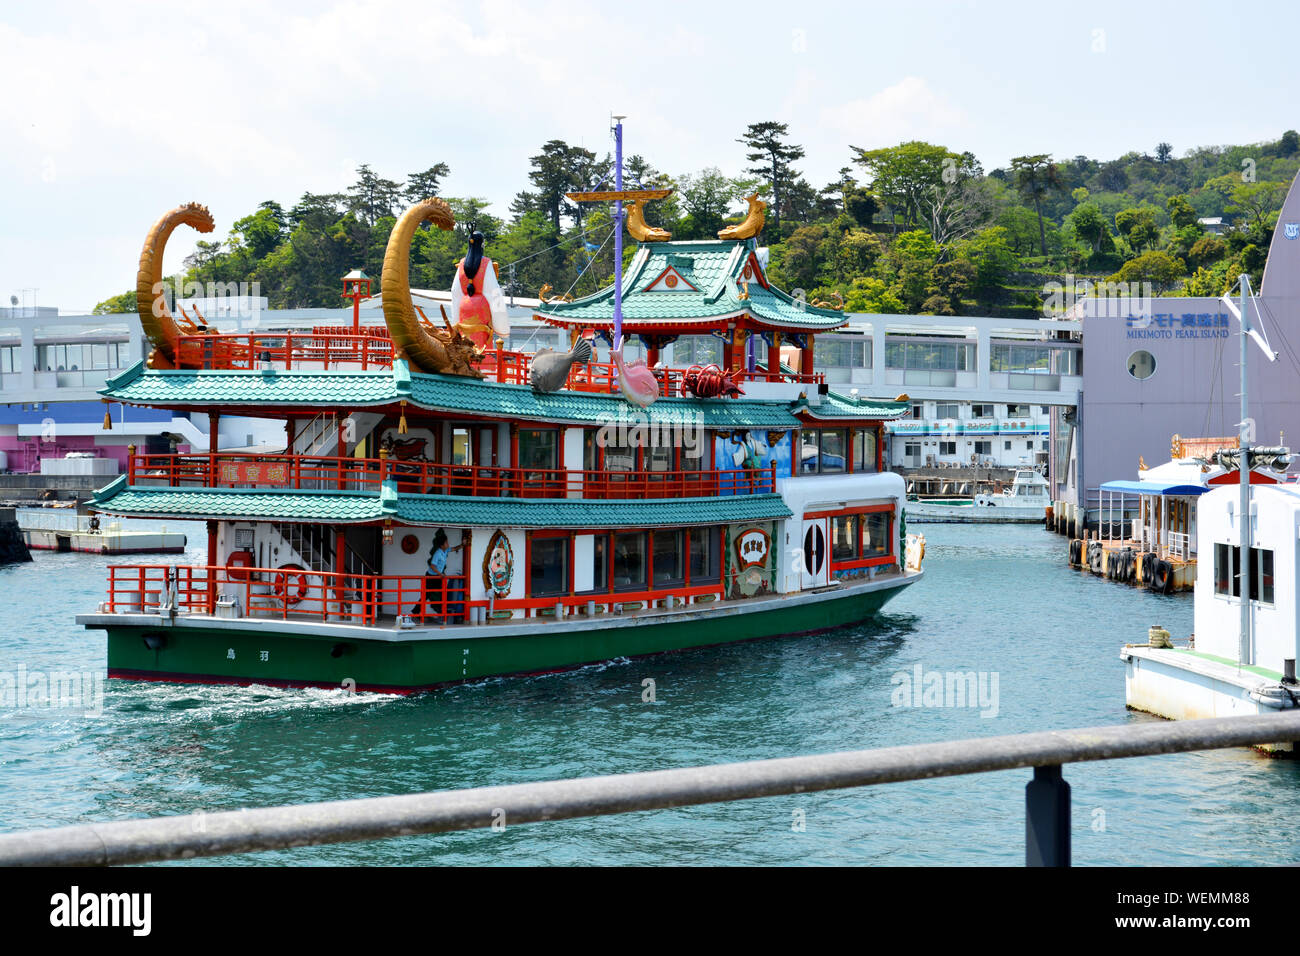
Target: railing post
(1047, 818)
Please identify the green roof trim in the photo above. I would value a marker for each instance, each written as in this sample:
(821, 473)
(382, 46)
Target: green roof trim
(577, 513)
(835, 406)
(715, 269)
(352, 507)
(270, 387)
(339, 507)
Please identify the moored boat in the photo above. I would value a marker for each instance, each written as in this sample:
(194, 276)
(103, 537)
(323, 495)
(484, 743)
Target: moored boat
(64, 529)
(1025, 502)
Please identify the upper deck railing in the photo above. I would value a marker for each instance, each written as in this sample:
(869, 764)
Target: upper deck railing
(313, 473)
(330, 349)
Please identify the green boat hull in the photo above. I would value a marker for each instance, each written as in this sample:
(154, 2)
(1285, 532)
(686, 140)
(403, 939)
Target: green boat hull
(202, 653)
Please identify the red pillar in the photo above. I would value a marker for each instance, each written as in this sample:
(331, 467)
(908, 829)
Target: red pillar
(651, 357)
(806, 359)
(211, 575)
(214, 420)
(774, 357)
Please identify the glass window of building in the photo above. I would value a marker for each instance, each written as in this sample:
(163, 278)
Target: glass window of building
(947, 448)
(947, 410)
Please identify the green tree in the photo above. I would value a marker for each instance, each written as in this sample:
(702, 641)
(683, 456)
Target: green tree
(1138, 226)
(905, 176)
(424, 185)
(1035, 177)
(115, 304)
(772, 158)
(1158, 268)
(1181, 212)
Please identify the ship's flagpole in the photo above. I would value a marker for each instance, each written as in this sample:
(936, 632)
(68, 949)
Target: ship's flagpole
(618, 232)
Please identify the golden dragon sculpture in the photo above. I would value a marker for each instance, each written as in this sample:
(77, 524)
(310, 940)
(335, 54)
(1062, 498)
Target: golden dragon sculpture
(155, 318)
(751, 225)
(427, 349)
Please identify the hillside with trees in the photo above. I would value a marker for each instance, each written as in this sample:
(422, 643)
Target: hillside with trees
(916, 227)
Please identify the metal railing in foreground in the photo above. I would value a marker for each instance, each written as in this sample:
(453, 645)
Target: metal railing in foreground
(1047, 796)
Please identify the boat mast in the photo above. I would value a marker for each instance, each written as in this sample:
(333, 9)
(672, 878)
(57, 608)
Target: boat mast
(1244, 649)
(618, 232)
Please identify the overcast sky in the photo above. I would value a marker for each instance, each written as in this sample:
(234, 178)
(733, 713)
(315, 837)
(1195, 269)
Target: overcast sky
(112, 113)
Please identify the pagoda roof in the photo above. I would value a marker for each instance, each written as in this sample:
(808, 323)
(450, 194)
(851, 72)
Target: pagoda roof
(436, 510)
(678, 286)
(248, 391)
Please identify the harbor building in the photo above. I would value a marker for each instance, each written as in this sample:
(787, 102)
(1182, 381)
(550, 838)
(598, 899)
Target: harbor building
(1156, 367)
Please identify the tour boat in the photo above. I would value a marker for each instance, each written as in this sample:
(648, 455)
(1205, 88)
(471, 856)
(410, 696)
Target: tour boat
(1025, 502)
(578, 510)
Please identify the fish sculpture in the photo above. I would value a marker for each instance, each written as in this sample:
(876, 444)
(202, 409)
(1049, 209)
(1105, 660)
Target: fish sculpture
(637, 383)
(550, 369)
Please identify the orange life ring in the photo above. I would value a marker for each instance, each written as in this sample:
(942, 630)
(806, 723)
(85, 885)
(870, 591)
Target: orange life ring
(286, 572)
(237, 565)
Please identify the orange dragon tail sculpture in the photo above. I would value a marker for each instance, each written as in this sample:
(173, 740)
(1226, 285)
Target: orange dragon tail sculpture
(155, 317)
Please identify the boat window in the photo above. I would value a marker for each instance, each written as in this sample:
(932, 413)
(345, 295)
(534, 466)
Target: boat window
(669, 558)
(620, 458)
(808, 451)
(538, 448)
(693, 458)
(629, 561)
(659, 459)
(864, 449)
(600, 564)
(844, 545)
(874, 529)
(461, 447)
(1227, 573)
(704, 555)
(834, 450)
(590, 451)
(548, 566)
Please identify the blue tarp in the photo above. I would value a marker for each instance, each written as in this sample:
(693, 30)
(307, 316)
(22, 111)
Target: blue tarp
(1154, 488)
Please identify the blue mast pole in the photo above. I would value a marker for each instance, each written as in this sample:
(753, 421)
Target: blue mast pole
(618, 233)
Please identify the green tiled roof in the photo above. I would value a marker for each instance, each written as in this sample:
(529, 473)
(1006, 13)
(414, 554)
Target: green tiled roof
(576, 513)
(346, 508)
(714, 268)
(214, 503)
(836, 406)
(236, 387)
(456, 394)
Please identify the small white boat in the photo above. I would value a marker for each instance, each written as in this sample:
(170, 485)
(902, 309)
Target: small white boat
(1025, 502)
(62, 529)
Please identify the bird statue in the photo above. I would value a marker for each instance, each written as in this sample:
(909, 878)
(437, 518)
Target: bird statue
(637, 383)
(550, 369)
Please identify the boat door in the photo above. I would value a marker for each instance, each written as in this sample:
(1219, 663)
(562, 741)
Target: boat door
(816, 553)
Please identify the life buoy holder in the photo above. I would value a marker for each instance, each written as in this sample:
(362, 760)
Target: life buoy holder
(238, 564)
(282, 588)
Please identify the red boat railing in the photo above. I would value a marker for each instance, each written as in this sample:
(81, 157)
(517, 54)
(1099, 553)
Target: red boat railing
(363, 599)
(371, 348)
(286, 592)
(301, 472)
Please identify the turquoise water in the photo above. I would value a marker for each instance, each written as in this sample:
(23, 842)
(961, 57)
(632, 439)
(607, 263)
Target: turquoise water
(995, 599)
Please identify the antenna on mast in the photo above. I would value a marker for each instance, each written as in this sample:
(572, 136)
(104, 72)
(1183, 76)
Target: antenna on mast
(1245, 646)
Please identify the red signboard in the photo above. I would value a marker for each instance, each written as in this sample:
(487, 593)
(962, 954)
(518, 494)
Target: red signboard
(253, 473)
